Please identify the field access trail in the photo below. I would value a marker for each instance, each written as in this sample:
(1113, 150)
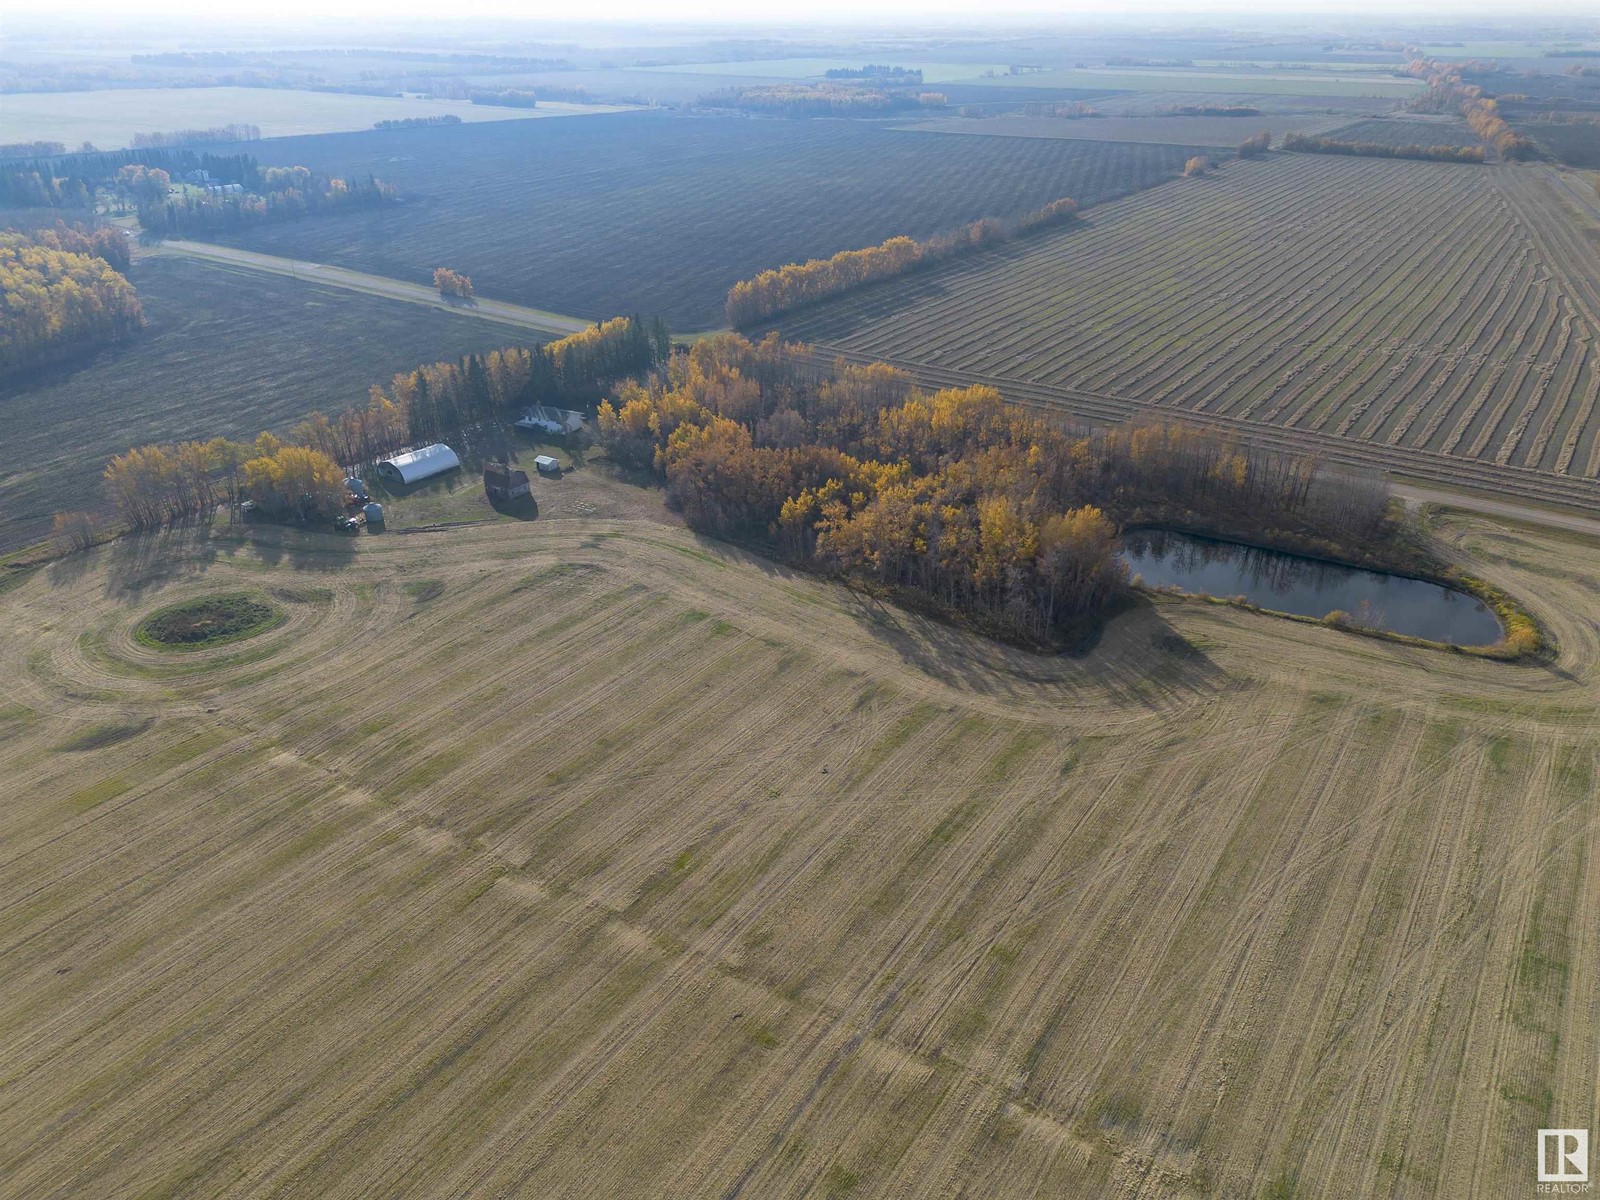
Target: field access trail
(536, 319)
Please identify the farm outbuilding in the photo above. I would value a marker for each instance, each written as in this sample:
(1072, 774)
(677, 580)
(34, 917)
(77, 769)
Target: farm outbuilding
(502, 481)
(545, 419)
(547, 465)
(415, 465)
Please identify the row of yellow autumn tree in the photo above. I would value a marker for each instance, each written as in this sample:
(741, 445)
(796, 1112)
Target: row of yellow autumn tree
(1449, 92)
(300, 474)
(956, 495)
(151, 485)
(772, 292)
(60, 297)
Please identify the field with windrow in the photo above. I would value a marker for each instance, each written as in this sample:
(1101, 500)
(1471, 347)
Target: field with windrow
(1221, 132)
(1416, 306)
(1406, 131)
(586, 859)
(661, 215)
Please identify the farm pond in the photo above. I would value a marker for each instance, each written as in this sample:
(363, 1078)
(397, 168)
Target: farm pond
(1308, 587)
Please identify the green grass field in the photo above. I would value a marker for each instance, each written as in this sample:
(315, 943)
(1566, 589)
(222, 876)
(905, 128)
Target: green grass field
(109, 119)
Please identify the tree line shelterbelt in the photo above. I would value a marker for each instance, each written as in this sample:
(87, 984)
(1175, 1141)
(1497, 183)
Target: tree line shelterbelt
(972, 504)
(832, 99)
(229, 192)
(62, 292)
(751, 301)
(302, 475)
(1305, 143)
(1447, 92)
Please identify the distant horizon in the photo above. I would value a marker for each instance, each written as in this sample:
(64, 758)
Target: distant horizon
(387, 16)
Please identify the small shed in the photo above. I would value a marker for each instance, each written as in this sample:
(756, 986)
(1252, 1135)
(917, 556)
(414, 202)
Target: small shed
(502, 481)
(415, 465)
(547, 465)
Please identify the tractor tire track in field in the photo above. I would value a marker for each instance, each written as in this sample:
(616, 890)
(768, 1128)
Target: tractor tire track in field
(1294, 295)
(688, 876)
(1516, 483)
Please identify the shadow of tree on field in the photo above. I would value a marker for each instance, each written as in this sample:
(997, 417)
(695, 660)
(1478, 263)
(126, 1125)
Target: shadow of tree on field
(1136, 660)
(138, 562)
(69, 569)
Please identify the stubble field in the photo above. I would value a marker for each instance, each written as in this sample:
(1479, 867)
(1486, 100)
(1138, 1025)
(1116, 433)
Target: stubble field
(1294, 293)
(111, 118)
(588, 859)
(1406, 131)
(1220, 132)
(662, 215)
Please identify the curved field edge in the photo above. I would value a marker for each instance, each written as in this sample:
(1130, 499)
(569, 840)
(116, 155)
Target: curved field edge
(627, 862)
(1524, 638)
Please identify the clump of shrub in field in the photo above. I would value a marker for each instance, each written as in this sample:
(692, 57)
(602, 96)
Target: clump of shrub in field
(772, 292)
(953, 498)
(208, 621)
(1257, 145)
(452, 285)
(1524, 639)
(1305, 143)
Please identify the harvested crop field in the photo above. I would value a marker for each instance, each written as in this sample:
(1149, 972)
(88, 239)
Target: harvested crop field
(1407, 131)
(1353, 83)
(661, 215)
(1295, 293)
(1577, 145)
(1157, 104)
(224, 354)
(1224, 132)
(111, 118)
(684, 876)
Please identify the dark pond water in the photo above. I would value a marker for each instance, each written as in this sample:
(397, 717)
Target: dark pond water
(1308, 587)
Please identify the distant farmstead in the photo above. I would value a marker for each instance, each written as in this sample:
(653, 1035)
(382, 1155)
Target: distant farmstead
(502, 481)
(415, 465)
(545, 419)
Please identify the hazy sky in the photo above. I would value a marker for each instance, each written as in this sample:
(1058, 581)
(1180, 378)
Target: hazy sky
(787, 11)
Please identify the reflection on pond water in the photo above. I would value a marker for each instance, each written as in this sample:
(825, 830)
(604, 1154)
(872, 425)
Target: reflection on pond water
(1308, 587)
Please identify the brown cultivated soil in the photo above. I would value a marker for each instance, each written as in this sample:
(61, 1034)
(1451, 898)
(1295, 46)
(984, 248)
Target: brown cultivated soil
(1295, 301)
(585, 858)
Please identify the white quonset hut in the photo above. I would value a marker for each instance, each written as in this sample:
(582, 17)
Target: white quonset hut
(415, 465)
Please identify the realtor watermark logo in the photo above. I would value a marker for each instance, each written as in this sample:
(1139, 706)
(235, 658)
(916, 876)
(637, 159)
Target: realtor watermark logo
(1564, 1162)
